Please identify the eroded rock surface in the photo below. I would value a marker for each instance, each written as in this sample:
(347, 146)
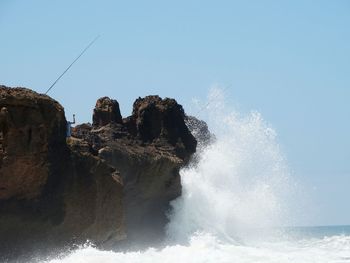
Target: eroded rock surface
(106, 111)
(148, 148)
(111, 181)
(51, 194)
(32, 135)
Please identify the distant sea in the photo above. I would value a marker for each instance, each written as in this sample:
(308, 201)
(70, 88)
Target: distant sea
(319, 231)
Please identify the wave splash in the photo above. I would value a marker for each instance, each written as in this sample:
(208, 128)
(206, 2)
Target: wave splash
(233, 197)
(206, 248)
(241, 181)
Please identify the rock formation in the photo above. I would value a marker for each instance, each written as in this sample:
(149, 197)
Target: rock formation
(106, 111)
(51, 195)
(112, 181)
(148, 148)
(31, 127)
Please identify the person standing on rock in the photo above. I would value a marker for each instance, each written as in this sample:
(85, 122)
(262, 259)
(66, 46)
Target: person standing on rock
(3, 128)
(3, 119)
(69, 126)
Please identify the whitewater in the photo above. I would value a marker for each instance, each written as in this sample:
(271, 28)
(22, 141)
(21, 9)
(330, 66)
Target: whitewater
(238, 197)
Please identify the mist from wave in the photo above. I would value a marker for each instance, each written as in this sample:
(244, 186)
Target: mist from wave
(237, 196)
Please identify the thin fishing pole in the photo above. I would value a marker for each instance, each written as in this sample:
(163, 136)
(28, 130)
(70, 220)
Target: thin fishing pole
(87, 47)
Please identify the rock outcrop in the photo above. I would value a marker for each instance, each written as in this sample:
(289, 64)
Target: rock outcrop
(32, 135)
(148, 148)
(106, 111)
(51, 194)
(111, 182)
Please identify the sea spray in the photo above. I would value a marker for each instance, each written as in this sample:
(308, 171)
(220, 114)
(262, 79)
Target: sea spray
(235, 192)
(208, 249)
(240, 183)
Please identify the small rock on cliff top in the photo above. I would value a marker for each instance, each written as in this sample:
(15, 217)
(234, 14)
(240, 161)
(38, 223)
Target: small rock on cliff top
(163, 120)
(106, 111)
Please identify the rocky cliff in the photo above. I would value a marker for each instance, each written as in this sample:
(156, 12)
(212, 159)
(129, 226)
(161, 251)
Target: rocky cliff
(111, 181)
(51, 194)
(148, 148)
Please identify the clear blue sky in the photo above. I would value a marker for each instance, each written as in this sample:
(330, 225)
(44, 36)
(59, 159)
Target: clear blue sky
(290, 60)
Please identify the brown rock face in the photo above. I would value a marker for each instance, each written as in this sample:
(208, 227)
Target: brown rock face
(106, 111)
(162, 122)
(32, 134)
(110, 183)
(51, 194)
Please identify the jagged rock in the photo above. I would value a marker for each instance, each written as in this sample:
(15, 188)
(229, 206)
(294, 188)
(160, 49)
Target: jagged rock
(148, 149)
(106, 111)
(32, 137)
(162, 121)
(51, 194)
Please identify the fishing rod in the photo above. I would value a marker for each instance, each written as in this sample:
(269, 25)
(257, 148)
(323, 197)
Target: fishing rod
(64, 72)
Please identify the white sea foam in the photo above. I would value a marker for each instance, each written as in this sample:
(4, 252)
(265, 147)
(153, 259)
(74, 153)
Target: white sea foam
(206, 248)
(238, 190)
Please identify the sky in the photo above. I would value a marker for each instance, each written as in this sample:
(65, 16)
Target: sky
(289, 60)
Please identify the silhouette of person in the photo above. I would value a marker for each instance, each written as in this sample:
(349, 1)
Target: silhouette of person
(3, 119)
(69, 126)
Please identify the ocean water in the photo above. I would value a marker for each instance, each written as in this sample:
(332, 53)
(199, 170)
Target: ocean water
(331, 244)
(238, 200)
